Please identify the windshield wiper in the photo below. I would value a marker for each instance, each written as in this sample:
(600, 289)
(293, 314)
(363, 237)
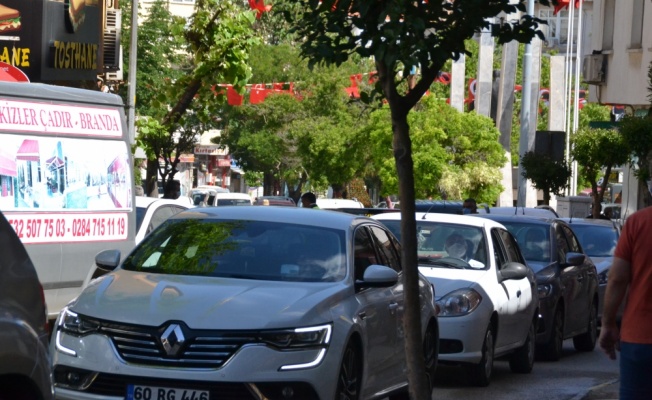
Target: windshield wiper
(447, 262)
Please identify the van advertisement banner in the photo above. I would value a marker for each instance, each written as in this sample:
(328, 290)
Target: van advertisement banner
(21, 116)
(56, 189)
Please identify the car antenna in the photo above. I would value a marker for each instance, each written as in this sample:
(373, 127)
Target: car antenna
(430, 208)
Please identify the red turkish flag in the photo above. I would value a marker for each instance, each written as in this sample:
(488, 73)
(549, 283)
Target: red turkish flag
(259, 5)
(561, 4)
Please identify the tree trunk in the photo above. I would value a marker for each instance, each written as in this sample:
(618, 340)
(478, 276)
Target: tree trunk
(418, 385)
(546, 197)
(151, 179)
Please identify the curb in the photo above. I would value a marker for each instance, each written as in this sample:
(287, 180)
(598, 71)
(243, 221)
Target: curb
(609, 394)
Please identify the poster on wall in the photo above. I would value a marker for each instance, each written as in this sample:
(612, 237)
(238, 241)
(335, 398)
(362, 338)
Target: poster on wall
(65, 189)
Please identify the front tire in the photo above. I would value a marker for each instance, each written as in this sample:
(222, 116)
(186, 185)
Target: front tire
(480, 374)
(522, 361)
(349, 378)
(586, 341)
(552, 350)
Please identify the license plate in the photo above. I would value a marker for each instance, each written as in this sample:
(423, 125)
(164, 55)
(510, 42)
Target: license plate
(138, 392)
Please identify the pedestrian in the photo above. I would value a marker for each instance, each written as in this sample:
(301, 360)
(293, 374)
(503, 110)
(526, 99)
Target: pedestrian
(469, 206)
(309, 200)
(172, 189)
(630, 280)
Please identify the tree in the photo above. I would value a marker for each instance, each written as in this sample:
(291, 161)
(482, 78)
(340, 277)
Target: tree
(402, 36)
(598, 150)
(454, 153)
(218, 39)
(546, 174)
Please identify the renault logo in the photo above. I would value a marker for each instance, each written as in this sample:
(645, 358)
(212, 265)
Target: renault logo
(172, 339)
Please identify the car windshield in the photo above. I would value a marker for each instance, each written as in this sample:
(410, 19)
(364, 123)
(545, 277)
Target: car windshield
(597, 241)
(438, 242)
(242, 249)
(233, 202)
(533, 240)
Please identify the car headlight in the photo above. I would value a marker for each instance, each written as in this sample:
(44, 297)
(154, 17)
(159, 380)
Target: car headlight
(73, 324)
(459, 302)
(314, 336)
(544, 290)
(602, 277)
(309, 338)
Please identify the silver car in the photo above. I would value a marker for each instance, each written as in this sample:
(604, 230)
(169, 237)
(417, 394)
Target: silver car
(24, 360)
(245, 303)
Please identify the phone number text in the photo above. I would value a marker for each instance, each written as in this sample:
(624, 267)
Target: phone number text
(50, 228)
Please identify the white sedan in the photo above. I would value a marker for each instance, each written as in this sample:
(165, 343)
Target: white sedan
(486, 295)
(153, 211)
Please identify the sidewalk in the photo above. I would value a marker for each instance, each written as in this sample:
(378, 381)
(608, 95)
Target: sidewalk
(605, 391)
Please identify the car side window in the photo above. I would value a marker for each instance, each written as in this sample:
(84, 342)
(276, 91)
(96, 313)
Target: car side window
(574, 244)
(160, 215)
(386, 248)
(364, 253)
(511, 247)
(499, 255)
(562, 244)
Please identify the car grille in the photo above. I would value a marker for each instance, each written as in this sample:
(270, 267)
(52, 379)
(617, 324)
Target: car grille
(208, 349)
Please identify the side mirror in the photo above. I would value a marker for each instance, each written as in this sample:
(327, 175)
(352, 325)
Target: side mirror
(378, 276)
(514, 271)
(574, 259)
(108, 260)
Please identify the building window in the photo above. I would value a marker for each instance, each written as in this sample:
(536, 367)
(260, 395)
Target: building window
(608, 15)
(556, 30)
(637, 24)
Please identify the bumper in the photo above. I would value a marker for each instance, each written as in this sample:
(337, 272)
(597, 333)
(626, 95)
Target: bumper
(460, 340)
(251, 368)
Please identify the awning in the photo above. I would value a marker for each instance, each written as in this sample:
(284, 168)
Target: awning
(54, 162)
(28, 151)
(7, 165)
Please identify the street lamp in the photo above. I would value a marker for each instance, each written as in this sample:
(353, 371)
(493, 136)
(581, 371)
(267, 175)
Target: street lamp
(131, 100)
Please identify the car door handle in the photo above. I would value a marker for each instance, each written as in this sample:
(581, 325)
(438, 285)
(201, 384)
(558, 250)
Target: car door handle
(580, 278)
(362, 315)
(393, 306)
(518, 294)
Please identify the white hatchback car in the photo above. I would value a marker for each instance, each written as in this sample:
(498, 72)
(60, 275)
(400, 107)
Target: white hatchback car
(486, 295)
(153, 211)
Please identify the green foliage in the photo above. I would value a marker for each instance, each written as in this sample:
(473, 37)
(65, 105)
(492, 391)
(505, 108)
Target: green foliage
(546, 174)
(593, 112)
(598, 150)
(637, 134)
(453, 153)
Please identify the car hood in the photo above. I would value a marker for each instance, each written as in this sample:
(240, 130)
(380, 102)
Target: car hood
(602, 263)
(208, 302)
(447, 280)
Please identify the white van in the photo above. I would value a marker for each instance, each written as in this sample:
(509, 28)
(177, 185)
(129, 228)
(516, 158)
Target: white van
(66, 181)
(207, 196)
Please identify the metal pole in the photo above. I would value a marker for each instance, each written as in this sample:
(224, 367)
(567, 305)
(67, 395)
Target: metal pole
(576, 116)
(131, 101)
(526, 118)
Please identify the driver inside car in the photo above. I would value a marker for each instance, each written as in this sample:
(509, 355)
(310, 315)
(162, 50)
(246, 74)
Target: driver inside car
(458, 247)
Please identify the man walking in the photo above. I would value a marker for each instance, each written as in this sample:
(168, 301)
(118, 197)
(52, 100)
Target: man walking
(630, 277)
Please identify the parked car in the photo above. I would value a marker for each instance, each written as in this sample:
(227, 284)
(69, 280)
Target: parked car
(598, 238)
(325, 203)
(567, 282)
(24, 360)
(283, 201)
(486, 295)
(205, 195)
(152, 212)
(245, 303)
(539, 211)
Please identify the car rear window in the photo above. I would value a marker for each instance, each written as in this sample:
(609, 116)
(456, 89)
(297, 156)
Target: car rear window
(242, 249)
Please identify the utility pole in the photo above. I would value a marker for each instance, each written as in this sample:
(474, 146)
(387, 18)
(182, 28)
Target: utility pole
(133, 50)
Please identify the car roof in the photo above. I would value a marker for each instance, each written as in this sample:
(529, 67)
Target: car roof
(295, 215)
(519, 218)
(590, 221)
(145, 201)
(542, 212)
(232, 195)
(445, 218)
